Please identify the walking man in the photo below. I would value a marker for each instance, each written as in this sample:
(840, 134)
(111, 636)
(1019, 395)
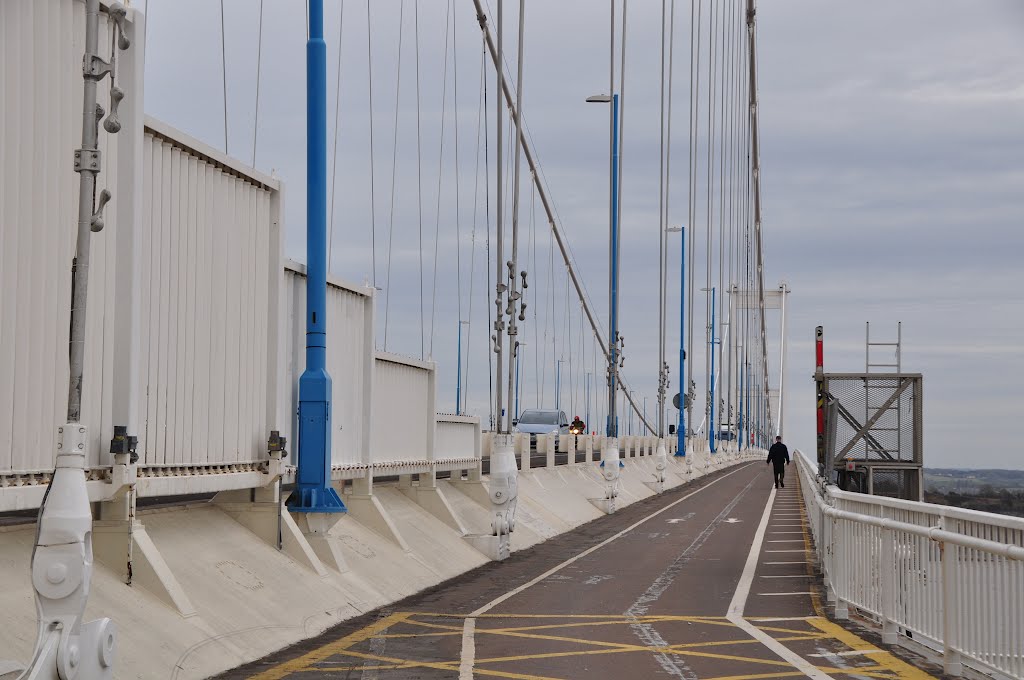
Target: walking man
(778, 455)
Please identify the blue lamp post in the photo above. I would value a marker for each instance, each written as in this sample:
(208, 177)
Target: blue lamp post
(313, 491)
(613, 288)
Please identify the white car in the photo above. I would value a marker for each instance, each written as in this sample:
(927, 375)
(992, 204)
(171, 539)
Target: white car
(542, 421)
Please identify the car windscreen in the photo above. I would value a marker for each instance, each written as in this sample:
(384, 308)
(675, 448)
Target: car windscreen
(539, 418)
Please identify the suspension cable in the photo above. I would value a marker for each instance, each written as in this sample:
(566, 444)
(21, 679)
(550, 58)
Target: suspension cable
(224, 72)
(394, 168)
(419, 172)
(472, 239)
(695, 55)
(440, 175)
(259, 62)
(369, 85)
(337, 132)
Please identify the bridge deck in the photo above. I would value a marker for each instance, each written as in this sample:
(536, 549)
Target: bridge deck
(710, 580)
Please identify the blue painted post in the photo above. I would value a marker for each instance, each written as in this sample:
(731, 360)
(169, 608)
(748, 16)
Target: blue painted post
(613, 314)
(683, 386)
(712, 427)
(313, 491)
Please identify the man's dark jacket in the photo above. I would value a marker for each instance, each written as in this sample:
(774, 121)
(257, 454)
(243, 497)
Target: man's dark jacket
(778, 455)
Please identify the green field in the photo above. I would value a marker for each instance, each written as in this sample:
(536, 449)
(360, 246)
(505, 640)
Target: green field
(945, 480)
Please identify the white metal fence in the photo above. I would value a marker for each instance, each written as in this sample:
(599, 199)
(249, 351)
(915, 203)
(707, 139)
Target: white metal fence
(403, 417)
(41, 48)
(951, 578)
(349, 362)
(209, 281)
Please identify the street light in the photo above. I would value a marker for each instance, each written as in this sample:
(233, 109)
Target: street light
(613, 259)
(683, 385)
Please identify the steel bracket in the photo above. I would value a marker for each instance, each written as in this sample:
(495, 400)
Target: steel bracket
(87, 160)
(94, 67)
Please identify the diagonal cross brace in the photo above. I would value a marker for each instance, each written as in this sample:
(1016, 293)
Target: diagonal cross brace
(863, 431)
(855, 424)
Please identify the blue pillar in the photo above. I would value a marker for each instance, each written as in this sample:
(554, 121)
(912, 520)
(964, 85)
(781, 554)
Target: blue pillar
(313, 491)
(613, 307)
(683, 386)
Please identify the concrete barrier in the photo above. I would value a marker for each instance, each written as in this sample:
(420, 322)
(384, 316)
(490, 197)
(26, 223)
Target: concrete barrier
(246, 598)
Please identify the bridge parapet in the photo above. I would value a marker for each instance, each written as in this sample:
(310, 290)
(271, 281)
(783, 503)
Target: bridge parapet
(952, 578)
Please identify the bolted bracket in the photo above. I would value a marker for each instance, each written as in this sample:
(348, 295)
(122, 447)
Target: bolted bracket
(87, 160)
(95, 68)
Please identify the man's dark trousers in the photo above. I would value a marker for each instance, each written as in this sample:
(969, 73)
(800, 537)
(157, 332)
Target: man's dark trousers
(778, 456)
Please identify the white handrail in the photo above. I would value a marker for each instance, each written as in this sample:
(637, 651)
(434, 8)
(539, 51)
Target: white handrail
(962, 593)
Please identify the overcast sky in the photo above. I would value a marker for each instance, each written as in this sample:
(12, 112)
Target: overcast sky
(892, 141)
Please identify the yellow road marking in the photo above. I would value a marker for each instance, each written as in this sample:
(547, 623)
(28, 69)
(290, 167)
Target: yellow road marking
(570, 616)
(442, 665)
(775, 629)
(900, 668)
(320, 653)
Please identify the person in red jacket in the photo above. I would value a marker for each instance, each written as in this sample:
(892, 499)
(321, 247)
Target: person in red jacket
(779, 456)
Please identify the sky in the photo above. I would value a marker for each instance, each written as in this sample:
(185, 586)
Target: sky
(892, 155)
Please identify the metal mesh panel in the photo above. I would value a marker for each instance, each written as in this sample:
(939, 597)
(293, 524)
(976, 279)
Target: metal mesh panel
(891, 483)
(877, 418)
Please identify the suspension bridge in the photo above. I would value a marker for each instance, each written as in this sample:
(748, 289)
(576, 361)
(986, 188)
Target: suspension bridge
(243, 439)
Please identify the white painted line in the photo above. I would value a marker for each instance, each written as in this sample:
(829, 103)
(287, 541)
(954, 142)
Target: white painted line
(766, 619)
(739, 601)
(468, 657)
(849, 652)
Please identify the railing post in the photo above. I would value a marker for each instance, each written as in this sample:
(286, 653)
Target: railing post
(950, 611)
(839, 549)
(551, 450)
(887, 567)
(825, 553)
(525, 451)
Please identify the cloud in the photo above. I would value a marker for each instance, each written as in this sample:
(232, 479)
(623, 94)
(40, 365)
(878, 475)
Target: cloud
(892, 185)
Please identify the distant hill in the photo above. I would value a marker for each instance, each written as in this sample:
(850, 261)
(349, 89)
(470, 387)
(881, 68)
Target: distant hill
(945, 480)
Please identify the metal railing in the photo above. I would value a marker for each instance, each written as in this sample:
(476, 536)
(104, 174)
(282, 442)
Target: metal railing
(952, 579)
